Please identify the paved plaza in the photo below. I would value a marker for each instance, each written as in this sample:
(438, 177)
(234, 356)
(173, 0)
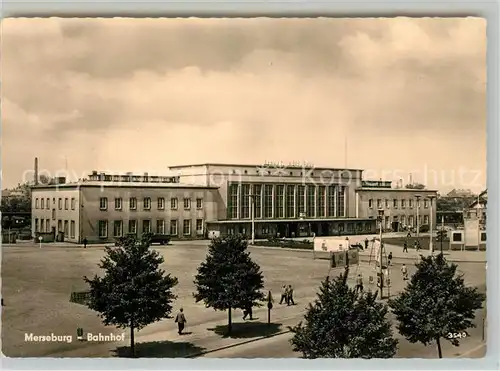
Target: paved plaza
(37, 284)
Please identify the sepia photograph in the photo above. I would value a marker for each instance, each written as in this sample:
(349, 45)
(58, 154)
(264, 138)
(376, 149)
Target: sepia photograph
(244, 187)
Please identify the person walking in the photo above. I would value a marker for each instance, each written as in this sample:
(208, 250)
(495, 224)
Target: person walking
(290, 296)
(180, 319)
(284, 297)
(366, 243)
(85, 241)
(405, 246)
(417, 246)
(389, 258)
(248, 312)
(359, 283)
(404, 272)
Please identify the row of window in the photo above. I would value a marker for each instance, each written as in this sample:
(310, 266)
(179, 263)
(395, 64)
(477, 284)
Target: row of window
(146, 227)
(286, 201)
(44, 203)
(396, 203)
(146, 203)
(406, 220)
(66, 226)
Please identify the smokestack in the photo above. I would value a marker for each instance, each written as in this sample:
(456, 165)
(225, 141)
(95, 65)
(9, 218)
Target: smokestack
(36, 171)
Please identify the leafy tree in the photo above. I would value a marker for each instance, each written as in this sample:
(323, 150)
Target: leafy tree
(342, 323)
(134, 292)
(436, 303)
(415, 186)
(228, 278)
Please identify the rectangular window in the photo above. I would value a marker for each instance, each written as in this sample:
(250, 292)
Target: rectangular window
(403, 220)
(132, 227)
(257, 191)
(66, 228)
(59, 226)
(387, 204)
(245, 201)
(403, 204)
(36, 203)
(47, 203)
(331, 201)
(103, 203)
(232, 208)
(103, 228)
(379, 203)
(54, 201)
(72, 229)
(426, 204)
(160, 226)
(53, 214)
(426, 219)
(311, 201)
(36, 225)
(42, 203)
(133, 203)
(59, 203)
(279, 204)
(161, 203)
(411, 221)
(321, 201)
(173, 227)
(146, 226)
(301, 201)
(395, 203)
(199, 203)
(147, 203)
(117, 228)
(73, 204)
(187, 203)
(268, 201)
(42, 224)
(199, 226)
(370, 203)
(410, 203)
(173, 203)
(341, 205)
(290, 201)
(47, 225)
(118, 203)
(66, 204)
(186, 228)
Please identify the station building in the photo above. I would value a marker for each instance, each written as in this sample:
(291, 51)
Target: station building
(401, 206)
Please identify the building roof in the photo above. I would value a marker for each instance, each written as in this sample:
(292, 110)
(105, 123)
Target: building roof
(107, 184)
(176, 167)
(412, 190)
(482, 198)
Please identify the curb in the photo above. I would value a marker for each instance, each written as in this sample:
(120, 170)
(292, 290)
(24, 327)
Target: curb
(197, 354)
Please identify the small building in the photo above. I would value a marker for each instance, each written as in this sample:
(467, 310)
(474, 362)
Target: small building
(101, 209)
(401, 206)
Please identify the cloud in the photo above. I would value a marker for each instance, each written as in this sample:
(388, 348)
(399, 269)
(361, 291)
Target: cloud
(247, 89)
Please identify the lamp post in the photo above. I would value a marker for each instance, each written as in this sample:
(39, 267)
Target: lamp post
(252, 214)
(442, 232)
(431, 242)
(417, 197)
(381, 219)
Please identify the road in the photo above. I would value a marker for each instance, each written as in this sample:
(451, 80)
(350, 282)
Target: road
(279, 347)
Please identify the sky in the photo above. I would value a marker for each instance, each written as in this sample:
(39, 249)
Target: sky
(392, 96)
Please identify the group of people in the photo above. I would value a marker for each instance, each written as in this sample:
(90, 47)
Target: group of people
(287, 295)
(416, 245)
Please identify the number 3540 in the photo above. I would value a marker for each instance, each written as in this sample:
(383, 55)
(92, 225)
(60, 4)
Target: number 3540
(456, 335)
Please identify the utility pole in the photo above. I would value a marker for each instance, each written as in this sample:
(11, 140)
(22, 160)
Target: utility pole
(381, 219)
(418, 207)
(442, 232)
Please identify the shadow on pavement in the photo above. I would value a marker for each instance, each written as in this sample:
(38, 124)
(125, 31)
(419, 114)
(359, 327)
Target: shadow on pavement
(160, 349)
(248, 330)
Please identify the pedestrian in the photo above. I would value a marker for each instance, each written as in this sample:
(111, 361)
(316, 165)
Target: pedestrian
(408, 235)
(389, 258)
(404, 271)
(284, 295)
(359, 283)
(85, 243)
(405, 246)
(366, 243)
(180, 319)
(248, 312)
(290, 295)
(417, 246)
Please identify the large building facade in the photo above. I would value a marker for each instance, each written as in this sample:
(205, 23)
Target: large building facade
(103, 209)
(402, 208)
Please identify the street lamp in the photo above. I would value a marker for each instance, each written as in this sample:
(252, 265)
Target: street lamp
(418, 207)
(381, 219)
(442, 233)
(431, 243)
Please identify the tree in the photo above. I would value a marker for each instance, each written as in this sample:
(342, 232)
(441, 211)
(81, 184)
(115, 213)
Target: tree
(436, 304)
(134, 292)
(228, 278)
(415, 186)
(342, 323)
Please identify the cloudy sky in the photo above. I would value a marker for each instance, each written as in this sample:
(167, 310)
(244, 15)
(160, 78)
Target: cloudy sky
(407, 95)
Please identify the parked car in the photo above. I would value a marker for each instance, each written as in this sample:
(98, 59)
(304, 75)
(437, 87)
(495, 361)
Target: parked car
(162, 239)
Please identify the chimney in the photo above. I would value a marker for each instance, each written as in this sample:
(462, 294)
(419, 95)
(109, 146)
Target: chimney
(36, 171)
